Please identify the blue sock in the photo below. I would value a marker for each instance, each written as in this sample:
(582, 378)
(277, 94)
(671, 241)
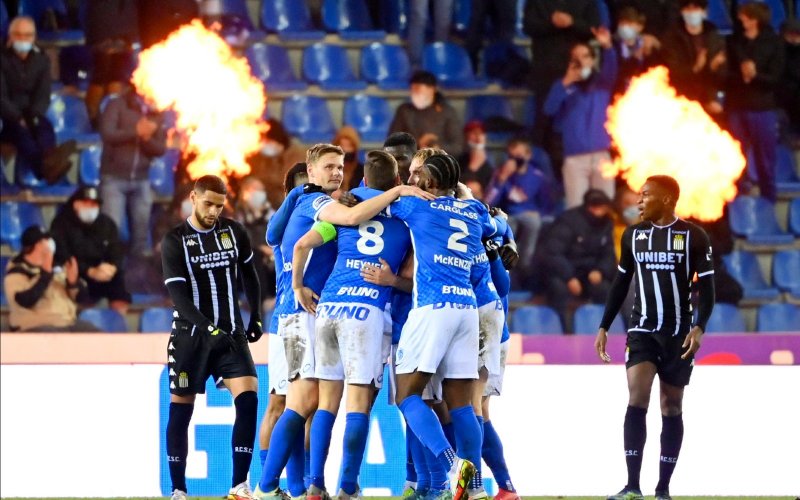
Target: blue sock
(493, 455)
(356, 431)
(307, 467)
(262, 454)
(450, 434)
(437, 472)
(296, 466)
(321, 429)
(468, 437)
(411, 471)
(420, 468)
(423, 422)
(280, 445)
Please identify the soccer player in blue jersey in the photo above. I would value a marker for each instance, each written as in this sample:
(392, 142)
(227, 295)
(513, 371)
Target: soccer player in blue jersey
(296, 326)
(349, 340)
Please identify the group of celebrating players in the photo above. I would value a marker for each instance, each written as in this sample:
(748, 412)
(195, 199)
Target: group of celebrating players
(408, 270)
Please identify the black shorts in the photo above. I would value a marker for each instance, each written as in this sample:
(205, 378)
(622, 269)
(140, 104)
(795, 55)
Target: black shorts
(192, 360)
(665, 352)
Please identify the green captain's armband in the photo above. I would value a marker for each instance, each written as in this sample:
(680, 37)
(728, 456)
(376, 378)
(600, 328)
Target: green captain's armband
(326, 230)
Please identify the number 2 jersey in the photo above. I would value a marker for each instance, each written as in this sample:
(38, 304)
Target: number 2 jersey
(446, 234)
(379, 237)
(664, 260)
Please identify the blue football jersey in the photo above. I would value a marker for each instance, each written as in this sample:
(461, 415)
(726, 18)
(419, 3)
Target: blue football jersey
(320, 261)
(401, 306)
(379, 237)
(446, 233)
(280, 278)
(506, 334)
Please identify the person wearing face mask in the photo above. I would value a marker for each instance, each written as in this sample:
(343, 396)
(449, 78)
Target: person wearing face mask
(475, 164)
(253, 211)
(578, 254)
(577, 103)
(694, 52)
(279, 152)
(347, 138)
(43, 297)
(25, 86)
(91, 237)
(637, 51)
(428, 116)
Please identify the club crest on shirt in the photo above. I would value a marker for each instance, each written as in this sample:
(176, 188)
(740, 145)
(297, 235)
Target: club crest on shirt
(225, 240)
(678, 242)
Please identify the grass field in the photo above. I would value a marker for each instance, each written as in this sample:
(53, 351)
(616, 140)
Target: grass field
(524, 498)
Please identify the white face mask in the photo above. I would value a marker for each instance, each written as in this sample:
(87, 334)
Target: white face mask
(627, 32)
(256, 199)
(631, 214)
(270, 150)
(186, 208)
(88, 215)
(51, 245)
(22, 47)
(477, 145)
(586, 72)
(693, 18)
(421, 101)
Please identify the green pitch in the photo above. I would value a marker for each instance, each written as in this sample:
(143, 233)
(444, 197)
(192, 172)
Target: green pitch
(523, 498)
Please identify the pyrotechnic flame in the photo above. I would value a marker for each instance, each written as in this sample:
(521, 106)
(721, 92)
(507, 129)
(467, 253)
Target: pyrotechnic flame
(658, 132)
(218, 103)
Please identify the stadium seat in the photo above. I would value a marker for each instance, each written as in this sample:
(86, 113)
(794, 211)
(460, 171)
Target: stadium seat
(4, 21)
(725, 318)
(47, 14)
(270, 64)
(462, 10)
(369, 115)
(7, 188)
(328, 66)
(308, 118)
(107, 320)
(290, 19)
(754, 218)
(786, 271)
(794, 216)
(70, 119)
(237, 8)
(499, 64)
(495, 112)
(720, 16)
(451, 65)
(16, 217)
(519, 296)
(3, 264)
(518, 25)
(25, 178)
(744, 268)
(386, 66)
(588, 317)
(396, 16)
(75, 66)
(162, 172)
(605, 14)
(535, 320)
(779, 317)
(351, 19)
(786, 178)
(89, 168)
(156, 320)
(778, 11)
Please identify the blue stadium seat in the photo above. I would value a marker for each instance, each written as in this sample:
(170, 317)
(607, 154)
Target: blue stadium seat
(107, 320)
(351, 19)
(720, 16)
(396, 16)
(779, 317)
(519, 296)
(270, 64)
(146, 298)
(70, 119)
(605, 14)
(786, 271)
(75, 65)
(41, 12)
(369, 115)
(237, 8)
(794, 216)
(725, 318)
(156, 320)
(3, 264)
(520, 16)
(786, 178)
(308, 118)
(535, 320)
(162, 172)
(744, 268)
(16, 217)
(495, 62)
(7, 188)
(451, 65)
(778, 12)
(490, 108)
(25, 178)
(289, 19)
(89, 168)
(385, 65)
(4, 21)
(588, 317)
(328, 66)
(462, 11)
(754, 218)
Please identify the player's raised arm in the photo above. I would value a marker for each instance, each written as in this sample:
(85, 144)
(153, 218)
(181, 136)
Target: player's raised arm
(616, 295)
(318, 235)
(338, 214)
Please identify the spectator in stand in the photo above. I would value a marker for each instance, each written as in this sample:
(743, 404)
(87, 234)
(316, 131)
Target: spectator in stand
(476, 169)
(502, 14)
(25, 87)
(719, 232)
(418, 21)
(694, 53)
(347, 138)
(43, 297)
(525, 193)
(578, 254)
(625, 213)
(92, 238)
(278, 153)
(159, 18)
(757, 65)
(111, 30)
(637, 51)
(661, 15)
(253, 211)
(402, 146)
(789, 85)
(578, 104)
(132, 136)
(428, 117)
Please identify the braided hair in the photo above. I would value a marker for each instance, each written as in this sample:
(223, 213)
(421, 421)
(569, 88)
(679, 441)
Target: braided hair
(444, 170)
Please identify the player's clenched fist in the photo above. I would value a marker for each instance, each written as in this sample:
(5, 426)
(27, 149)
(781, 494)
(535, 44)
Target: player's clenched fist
(254, 331)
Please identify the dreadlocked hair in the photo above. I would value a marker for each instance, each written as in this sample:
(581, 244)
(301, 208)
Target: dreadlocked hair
(445, 171)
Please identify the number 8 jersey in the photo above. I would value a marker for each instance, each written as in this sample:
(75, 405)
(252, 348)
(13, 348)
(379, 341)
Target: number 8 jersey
(446, 234)
(379, 237)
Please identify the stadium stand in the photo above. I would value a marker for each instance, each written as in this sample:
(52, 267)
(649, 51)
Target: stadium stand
(70, 119)
(369, 115)
(385, 65)
(290, 19)
(49, 16)
(725, 318)
(162, 172)
(16, 216)
(786, 271)
(754, 218)
(794, 216)
(744, 268)
(270, 64)
(107, 320)
(308, 118)
(535, 320)
(25, 178)
(327, 66)
(451, 65)
(720, 16)
(156, 320)
(89, 168)
(350, 19)
(588, 316)
(779, 317)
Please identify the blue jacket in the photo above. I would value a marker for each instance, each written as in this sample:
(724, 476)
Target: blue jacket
(579, 110)
(522, 192)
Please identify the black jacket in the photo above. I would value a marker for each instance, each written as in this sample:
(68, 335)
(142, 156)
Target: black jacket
(679, 54)
(766, 50)
(661, 15)
(24, 85)
(440, 119)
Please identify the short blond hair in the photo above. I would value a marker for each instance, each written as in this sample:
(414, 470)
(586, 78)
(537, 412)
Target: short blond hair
(425, 153)
(317, 151)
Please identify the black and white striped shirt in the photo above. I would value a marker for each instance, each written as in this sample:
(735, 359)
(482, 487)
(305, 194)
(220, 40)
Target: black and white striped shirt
(208, 262)
(664, 260)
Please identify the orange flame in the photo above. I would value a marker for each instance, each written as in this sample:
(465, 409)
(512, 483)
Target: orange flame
(658, 132)
(218, 103)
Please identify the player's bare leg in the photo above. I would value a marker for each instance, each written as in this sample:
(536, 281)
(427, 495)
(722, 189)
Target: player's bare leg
(275, 407)
(244, 391)
(671, 435)
(492, 454)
